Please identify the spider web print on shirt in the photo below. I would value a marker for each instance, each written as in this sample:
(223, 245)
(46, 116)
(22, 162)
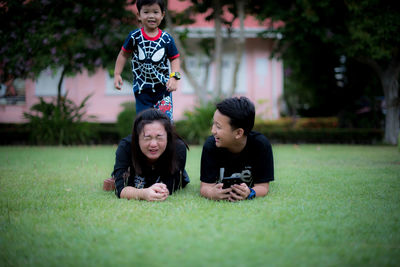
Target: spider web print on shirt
(149, 64)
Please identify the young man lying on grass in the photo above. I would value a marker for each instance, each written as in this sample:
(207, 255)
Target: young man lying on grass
(236, 162)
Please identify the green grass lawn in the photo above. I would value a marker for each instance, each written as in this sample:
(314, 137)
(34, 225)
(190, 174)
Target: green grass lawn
(330, 205)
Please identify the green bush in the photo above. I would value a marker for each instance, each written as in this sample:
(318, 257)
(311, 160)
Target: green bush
(316, 130)
(281, 123)
(50, 124)
(197, 124)
(125, 119)
(104, 133)
(301, 123)
(14, 134)
(107, 133)
(398, 142)
(317, 123)
(324, 135)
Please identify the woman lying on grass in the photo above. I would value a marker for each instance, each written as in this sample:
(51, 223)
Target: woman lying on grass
(150, 163)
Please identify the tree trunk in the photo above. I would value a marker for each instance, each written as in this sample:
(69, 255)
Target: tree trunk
(205, 80)
(391, 90)
(390, 85)
(239, 46)
(59, 87)
(200, 91)
(218, 49)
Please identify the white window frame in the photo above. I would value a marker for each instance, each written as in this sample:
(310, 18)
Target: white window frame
(47, 83)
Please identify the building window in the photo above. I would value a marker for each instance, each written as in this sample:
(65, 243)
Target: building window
(198, 64)
(47, 83)
(12, 92)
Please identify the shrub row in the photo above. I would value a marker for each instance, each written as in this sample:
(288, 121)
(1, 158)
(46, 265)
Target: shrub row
(323, 135)
(20, 134)
(306, 135)
(301, 123)
(14, 134)
(109, 133)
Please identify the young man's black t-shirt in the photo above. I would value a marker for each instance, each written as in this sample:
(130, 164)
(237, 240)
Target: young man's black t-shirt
(125, 175)
(255, 159)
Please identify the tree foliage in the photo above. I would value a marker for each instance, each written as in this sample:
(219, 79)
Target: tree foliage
(70, 35)
(318, 34)
(213, 48)
(373, 30)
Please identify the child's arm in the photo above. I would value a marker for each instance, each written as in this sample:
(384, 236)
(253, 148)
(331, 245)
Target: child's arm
(119, 67)
(172, 83)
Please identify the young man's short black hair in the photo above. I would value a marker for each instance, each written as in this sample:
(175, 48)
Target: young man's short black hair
(140, 3)
(241, 112)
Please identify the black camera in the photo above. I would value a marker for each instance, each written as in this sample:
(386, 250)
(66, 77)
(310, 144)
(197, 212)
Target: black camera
(235, 178)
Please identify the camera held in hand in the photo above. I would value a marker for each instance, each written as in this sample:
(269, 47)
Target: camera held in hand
(235, 178)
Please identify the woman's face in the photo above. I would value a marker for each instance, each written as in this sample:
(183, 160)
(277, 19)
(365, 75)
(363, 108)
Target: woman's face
(153, 140)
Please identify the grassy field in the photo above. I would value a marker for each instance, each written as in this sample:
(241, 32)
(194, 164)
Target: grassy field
(329, 206)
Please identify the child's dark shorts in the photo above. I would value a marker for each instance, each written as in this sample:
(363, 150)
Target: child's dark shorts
(158, 98)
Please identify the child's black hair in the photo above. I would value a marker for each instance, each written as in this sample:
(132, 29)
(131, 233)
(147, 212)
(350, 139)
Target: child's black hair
(141, 3)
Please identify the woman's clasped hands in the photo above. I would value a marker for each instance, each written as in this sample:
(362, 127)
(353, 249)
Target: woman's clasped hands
(156, 192)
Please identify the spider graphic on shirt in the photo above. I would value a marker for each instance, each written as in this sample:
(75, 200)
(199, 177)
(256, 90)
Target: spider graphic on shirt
(148, 64)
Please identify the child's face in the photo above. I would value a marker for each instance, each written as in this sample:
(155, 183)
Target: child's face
(151, 16)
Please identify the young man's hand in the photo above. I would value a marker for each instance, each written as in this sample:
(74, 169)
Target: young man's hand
(219, 193)
(215, 191)
(239, 192)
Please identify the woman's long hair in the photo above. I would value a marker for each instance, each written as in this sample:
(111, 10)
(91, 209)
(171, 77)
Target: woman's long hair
(167, 162)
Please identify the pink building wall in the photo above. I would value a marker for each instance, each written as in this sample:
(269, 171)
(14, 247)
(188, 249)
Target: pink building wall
(260, 88)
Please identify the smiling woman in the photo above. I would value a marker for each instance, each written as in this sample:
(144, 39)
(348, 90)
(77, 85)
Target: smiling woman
(150, 163)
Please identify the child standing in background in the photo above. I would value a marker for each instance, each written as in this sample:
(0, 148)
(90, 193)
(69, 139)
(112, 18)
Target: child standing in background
(150, 49)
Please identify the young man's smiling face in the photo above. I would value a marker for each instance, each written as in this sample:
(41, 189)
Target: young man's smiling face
(151, 17)
(222, 131)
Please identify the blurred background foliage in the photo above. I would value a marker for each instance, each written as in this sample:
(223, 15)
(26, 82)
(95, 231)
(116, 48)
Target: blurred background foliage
(63, 125)
(69, 35)
(341, 58)
(125, 119)
(196, 125)
(74, 35)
